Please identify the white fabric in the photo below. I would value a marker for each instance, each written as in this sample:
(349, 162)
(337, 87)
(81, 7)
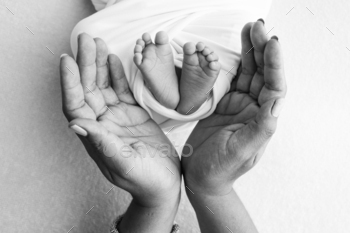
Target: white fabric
(217, 23)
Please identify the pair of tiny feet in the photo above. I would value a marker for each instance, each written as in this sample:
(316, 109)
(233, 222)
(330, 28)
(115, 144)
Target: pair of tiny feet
(200, 68)
(199, 72)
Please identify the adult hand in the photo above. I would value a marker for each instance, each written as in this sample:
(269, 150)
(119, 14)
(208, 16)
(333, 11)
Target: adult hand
(231, 141)
(127, 145)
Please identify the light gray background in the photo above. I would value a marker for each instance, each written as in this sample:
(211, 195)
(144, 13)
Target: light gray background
(48, 182)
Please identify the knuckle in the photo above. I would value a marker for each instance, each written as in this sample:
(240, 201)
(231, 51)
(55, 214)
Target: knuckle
(254, 160)
(100, 146)
(251, 161)
(122, 107)
(268, 132)
(264, 132)
(247, 71)
(125, 91)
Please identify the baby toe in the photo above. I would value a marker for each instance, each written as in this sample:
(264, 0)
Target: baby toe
(200, 46)
(212, 57)
(214, 65)
(138, 58)
(189, 48)
(162, 38)
(138, 49)
(207, 51)
(141, 43)
(146, 37)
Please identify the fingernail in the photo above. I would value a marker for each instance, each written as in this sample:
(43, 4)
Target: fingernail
(79, 130)
(261, 20)
(63, 55)
(274, 37)
(277, 107)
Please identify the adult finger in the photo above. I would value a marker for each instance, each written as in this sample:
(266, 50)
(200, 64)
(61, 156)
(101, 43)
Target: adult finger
(73, 102)
(119, 82)
(86, 59)
(102, 77)
(274, 78)
(257, 133)
(248, 63)
(259, 40)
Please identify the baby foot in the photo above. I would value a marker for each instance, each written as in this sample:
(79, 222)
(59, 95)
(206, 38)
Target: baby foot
(156, 63)
(199, 72)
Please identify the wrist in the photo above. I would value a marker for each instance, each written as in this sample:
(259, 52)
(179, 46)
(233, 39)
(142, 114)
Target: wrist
(220, 213)
(147, 219)
(209, 188)
(158, 200)
(199, 197)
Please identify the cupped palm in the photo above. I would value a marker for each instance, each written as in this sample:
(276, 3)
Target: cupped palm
(127, 145)
(230, 142)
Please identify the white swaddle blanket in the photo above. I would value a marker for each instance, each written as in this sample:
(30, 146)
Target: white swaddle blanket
(217, 23)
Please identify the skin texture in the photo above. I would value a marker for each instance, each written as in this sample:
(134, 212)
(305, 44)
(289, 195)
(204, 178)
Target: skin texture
(127, 145)
(231, 141)
(199, 72)
(225, 145)
(156, 63)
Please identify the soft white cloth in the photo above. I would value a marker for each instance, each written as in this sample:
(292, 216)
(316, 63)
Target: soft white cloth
(217, 23)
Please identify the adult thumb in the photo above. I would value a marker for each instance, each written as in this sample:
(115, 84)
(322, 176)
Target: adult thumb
(96, 134)
(264, 125)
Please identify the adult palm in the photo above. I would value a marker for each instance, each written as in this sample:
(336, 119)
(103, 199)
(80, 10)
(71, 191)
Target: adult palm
(231, 141)
(127, 145)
